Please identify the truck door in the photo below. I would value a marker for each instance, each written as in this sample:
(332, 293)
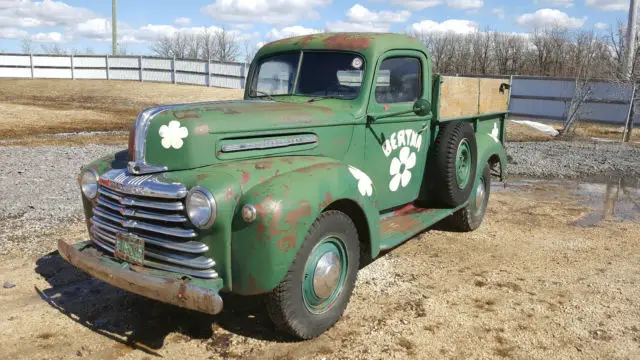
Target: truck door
(396, 147)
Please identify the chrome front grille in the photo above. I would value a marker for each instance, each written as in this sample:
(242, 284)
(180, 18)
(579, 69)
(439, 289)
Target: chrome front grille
(153, 209)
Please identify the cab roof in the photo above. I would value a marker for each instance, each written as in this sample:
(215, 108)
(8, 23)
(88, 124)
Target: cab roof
(370, 45)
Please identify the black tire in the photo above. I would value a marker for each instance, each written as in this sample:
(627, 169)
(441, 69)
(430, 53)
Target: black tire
(446, 188)
(470, 217)
(286, 305)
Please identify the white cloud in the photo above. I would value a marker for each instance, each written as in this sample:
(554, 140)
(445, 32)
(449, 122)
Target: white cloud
(12, 33)
(499, 12)
(561, 3)
(416, 4)
(182, 21)
(601, 26)
(49, 37)
(345, 26)
(423, 4)
(47, 13)
(359, 18)
(97, 28)
(277, 34)
(454, 25)
(276, 12)
(243, 26)
(609, 5)
(549, 17)
(465, 4)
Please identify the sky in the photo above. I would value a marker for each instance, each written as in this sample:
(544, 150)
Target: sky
(86, 24)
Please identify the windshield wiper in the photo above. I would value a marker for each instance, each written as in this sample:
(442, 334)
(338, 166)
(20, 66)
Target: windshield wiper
(318, 98)
(269, 96)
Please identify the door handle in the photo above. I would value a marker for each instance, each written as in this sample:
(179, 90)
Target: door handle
(423, 129)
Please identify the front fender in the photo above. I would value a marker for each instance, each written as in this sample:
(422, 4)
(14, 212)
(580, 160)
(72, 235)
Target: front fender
(262, 251)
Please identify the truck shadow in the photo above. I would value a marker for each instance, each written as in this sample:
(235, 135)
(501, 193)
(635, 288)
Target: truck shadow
(145, 324)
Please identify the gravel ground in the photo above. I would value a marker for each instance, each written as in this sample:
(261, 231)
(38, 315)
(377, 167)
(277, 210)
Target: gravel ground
(573, 160)
(38, 190)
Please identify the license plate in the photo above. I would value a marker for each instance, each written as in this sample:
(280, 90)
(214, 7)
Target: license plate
(129, 248)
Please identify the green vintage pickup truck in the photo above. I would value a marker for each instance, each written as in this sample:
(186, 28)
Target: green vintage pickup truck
(340, 149)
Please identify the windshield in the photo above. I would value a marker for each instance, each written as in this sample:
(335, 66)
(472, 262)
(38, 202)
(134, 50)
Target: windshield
(321, 74)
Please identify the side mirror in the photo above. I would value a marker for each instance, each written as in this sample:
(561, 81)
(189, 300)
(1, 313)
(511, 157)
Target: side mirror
(422, 107)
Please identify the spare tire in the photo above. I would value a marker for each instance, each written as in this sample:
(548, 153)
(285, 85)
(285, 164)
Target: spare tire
(455, 157)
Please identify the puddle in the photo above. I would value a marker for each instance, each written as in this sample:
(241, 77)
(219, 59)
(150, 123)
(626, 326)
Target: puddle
(615, 200)
(611, 199)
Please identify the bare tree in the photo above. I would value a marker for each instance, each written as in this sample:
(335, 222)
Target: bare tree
(53, 49)
(227, 48)
(26, 44)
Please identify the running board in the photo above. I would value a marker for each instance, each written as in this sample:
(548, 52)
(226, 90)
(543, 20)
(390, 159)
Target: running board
(401, 225)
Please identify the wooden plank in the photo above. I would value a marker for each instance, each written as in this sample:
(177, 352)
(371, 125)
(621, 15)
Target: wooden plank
(459, 97)
(491, 99)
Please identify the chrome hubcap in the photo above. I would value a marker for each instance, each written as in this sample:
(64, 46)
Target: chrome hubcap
(480, 194)
(326, 275)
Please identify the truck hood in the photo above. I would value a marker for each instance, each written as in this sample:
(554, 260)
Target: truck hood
(185, 136)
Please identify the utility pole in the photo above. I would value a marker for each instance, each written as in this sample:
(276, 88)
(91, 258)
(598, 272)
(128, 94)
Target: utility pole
(632, 26)
(114, 28)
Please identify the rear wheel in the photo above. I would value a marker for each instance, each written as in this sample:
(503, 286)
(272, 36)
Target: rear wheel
(470, 217)
(454, 160)
(316, 290)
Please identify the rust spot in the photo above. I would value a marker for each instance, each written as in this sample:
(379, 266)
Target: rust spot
(202, 129)
(201, 177)
(347, 42)
(245, 177)
(229, 195)
(224, 110)
(286, 160)
(328, 200)
(386, 107)
(252, 286)
(403, 221)
(182, 291)
(296, 117)
(263, 165)
(187, 114)
(287, 243)
(219, 153)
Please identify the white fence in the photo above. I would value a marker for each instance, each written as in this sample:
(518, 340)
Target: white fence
(138, 68)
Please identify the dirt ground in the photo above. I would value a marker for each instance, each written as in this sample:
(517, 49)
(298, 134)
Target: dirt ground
(32, 108)
(544, 277)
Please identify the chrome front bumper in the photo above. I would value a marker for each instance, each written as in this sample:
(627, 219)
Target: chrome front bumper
(176, 289)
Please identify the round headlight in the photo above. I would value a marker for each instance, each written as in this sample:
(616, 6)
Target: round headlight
(201, 207)
(89, 184)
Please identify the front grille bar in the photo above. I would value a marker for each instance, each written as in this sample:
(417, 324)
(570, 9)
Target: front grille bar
(206, 274)
(134, 224)
(141, 214)
(149, 204)
(190, 260)
(193, 247)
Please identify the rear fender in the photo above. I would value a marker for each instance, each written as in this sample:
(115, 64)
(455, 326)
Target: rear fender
(262, 251)
(489, 148)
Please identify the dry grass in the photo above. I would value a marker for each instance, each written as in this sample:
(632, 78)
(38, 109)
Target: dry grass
(519, 132)
(42, 106)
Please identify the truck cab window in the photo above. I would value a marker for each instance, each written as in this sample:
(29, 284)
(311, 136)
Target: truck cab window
(277, 74)
(399, 80)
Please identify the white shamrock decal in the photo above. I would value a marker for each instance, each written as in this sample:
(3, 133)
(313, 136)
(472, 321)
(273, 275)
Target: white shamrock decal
(495, 132)
(365, 185)
(173, 134)
(400, 169)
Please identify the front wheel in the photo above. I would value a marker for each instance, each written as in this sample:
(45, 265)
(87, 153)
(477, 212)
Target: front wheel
(317, 288)
(470, 217)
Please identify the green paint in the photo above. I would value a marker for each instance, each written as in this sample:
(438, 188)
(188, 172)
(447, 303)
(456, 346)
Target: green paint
(372, 167)
(463, 164)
